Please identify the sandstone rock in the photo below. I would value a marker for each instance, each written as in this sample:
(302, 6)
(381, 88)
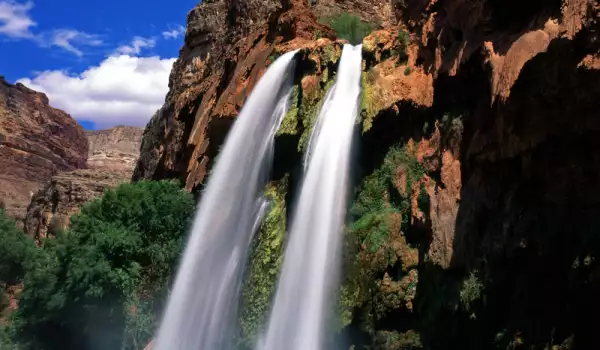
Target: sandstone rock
(51, 207)
(112, 156)
(117, 148)
(36, 141)
(222, 59)
(510, 181)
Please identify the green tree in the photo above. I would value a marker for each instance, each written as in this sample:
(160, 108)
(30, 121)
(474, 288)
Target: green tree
(15, 250)
(15, 246)
(102, 283)
(349, 27)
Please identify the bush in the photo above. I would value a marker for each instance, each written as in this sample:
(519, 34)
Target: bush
(349, 27)
(102, 283)
(403, 41)
(470, 291)
(15, 247)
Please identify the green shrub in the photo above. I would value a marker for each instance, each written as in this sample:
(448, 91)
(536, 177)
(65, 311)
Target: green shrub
(371, 210)
(3, 302)
(407, 71)
(349, 27)
(470, 291)
(403, 41)
(15, 248)
(102, 283)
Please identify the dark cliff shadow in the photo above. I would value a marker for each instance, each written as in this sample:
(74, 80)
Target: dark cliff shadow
(461, 27)
(528, 222)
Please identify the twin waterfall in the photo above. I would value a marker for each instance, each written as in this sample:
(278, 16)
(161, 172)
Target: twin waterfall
(202, 307)
(310, 261)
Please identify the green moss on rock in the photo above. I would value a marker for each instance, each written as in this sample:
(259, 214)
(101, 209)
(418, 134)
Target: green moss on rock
(371, 100)
(330, 54)
(309, 111)
(375, 242)
(289, 124)
(266, 259)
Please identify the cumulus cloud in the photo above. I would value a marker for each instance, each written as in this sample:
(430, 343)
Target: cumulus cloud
(137, 44)
(15, 21)
(120, 90)
(174, 33)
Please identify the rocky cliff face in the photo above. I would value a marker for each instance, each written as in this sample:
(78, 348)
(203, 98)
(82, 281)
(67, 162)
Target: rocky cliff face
(112, 156)
(474, 223)
(52, 206)
(227, 48)
(117, 148)
(36, 141)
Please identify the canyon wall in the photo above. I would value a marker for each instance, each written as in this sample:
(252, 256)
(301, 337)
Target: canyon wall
(112, 156)
(36, 142)
(474, 217)
(117, 148)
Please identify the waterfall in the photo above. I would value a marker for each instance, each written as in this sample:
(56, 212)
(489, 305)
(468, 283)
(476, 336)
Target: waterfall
(203, 303)
(311, 262)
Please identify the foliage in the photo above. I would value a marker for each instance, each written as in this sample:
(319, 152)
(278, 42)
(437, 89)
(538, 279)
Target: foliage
(309, 111)
(407, 70)
(403, 41)
(349, 27)
(3, 301)
(470, 291)
(102, 283)
(395, 340)
(372, 99)
(265, 263)
(329, 55)
(371, 208)
(318, 34)
(289, 124)
(15, 251)
(15, 248)
(373, 239)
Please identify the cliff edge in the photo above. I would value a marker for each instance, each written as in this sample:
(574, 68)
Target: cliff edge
(36, 142)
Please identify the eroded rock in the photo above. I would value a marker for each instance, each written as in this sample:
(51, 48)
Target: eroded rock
(36, 142)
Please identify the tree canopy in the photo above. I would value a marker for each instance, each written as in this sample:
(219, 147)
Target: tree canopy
(102, 283)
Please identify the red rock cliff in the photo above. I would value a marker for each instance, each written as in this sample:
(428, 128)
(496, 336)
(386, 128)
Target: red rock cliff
(36, 141)
(480, 119)
(226, 50)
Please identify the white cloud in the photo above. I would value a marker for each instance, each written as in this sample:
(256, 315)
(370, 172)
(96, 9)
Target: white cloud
(174, 33)
(137, 44)
(15, 21)
(121, 90)
(69, 39)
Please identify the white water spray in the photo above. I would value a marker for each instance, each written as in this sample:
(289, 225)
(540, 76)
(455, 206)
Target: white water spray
(203, 304)
(311, 262)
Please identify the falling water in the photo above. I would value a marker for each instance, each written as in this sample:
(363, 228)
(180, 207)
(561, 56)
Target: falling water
(311, 257)
(203, 302)
(317, 128)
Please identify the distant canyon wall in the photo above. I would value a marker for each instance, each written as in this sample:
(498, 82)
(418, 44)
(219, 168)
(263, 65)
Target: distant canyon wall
(117, 148)
(112, 157)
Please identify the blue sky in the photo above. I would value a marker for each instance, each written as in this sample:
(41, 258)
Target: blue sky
(106, 63)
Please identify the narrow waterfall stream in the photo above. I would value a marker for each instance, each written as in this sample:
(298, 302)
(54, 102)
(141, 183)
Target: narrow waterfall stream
(203, 304)
(311, 264)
